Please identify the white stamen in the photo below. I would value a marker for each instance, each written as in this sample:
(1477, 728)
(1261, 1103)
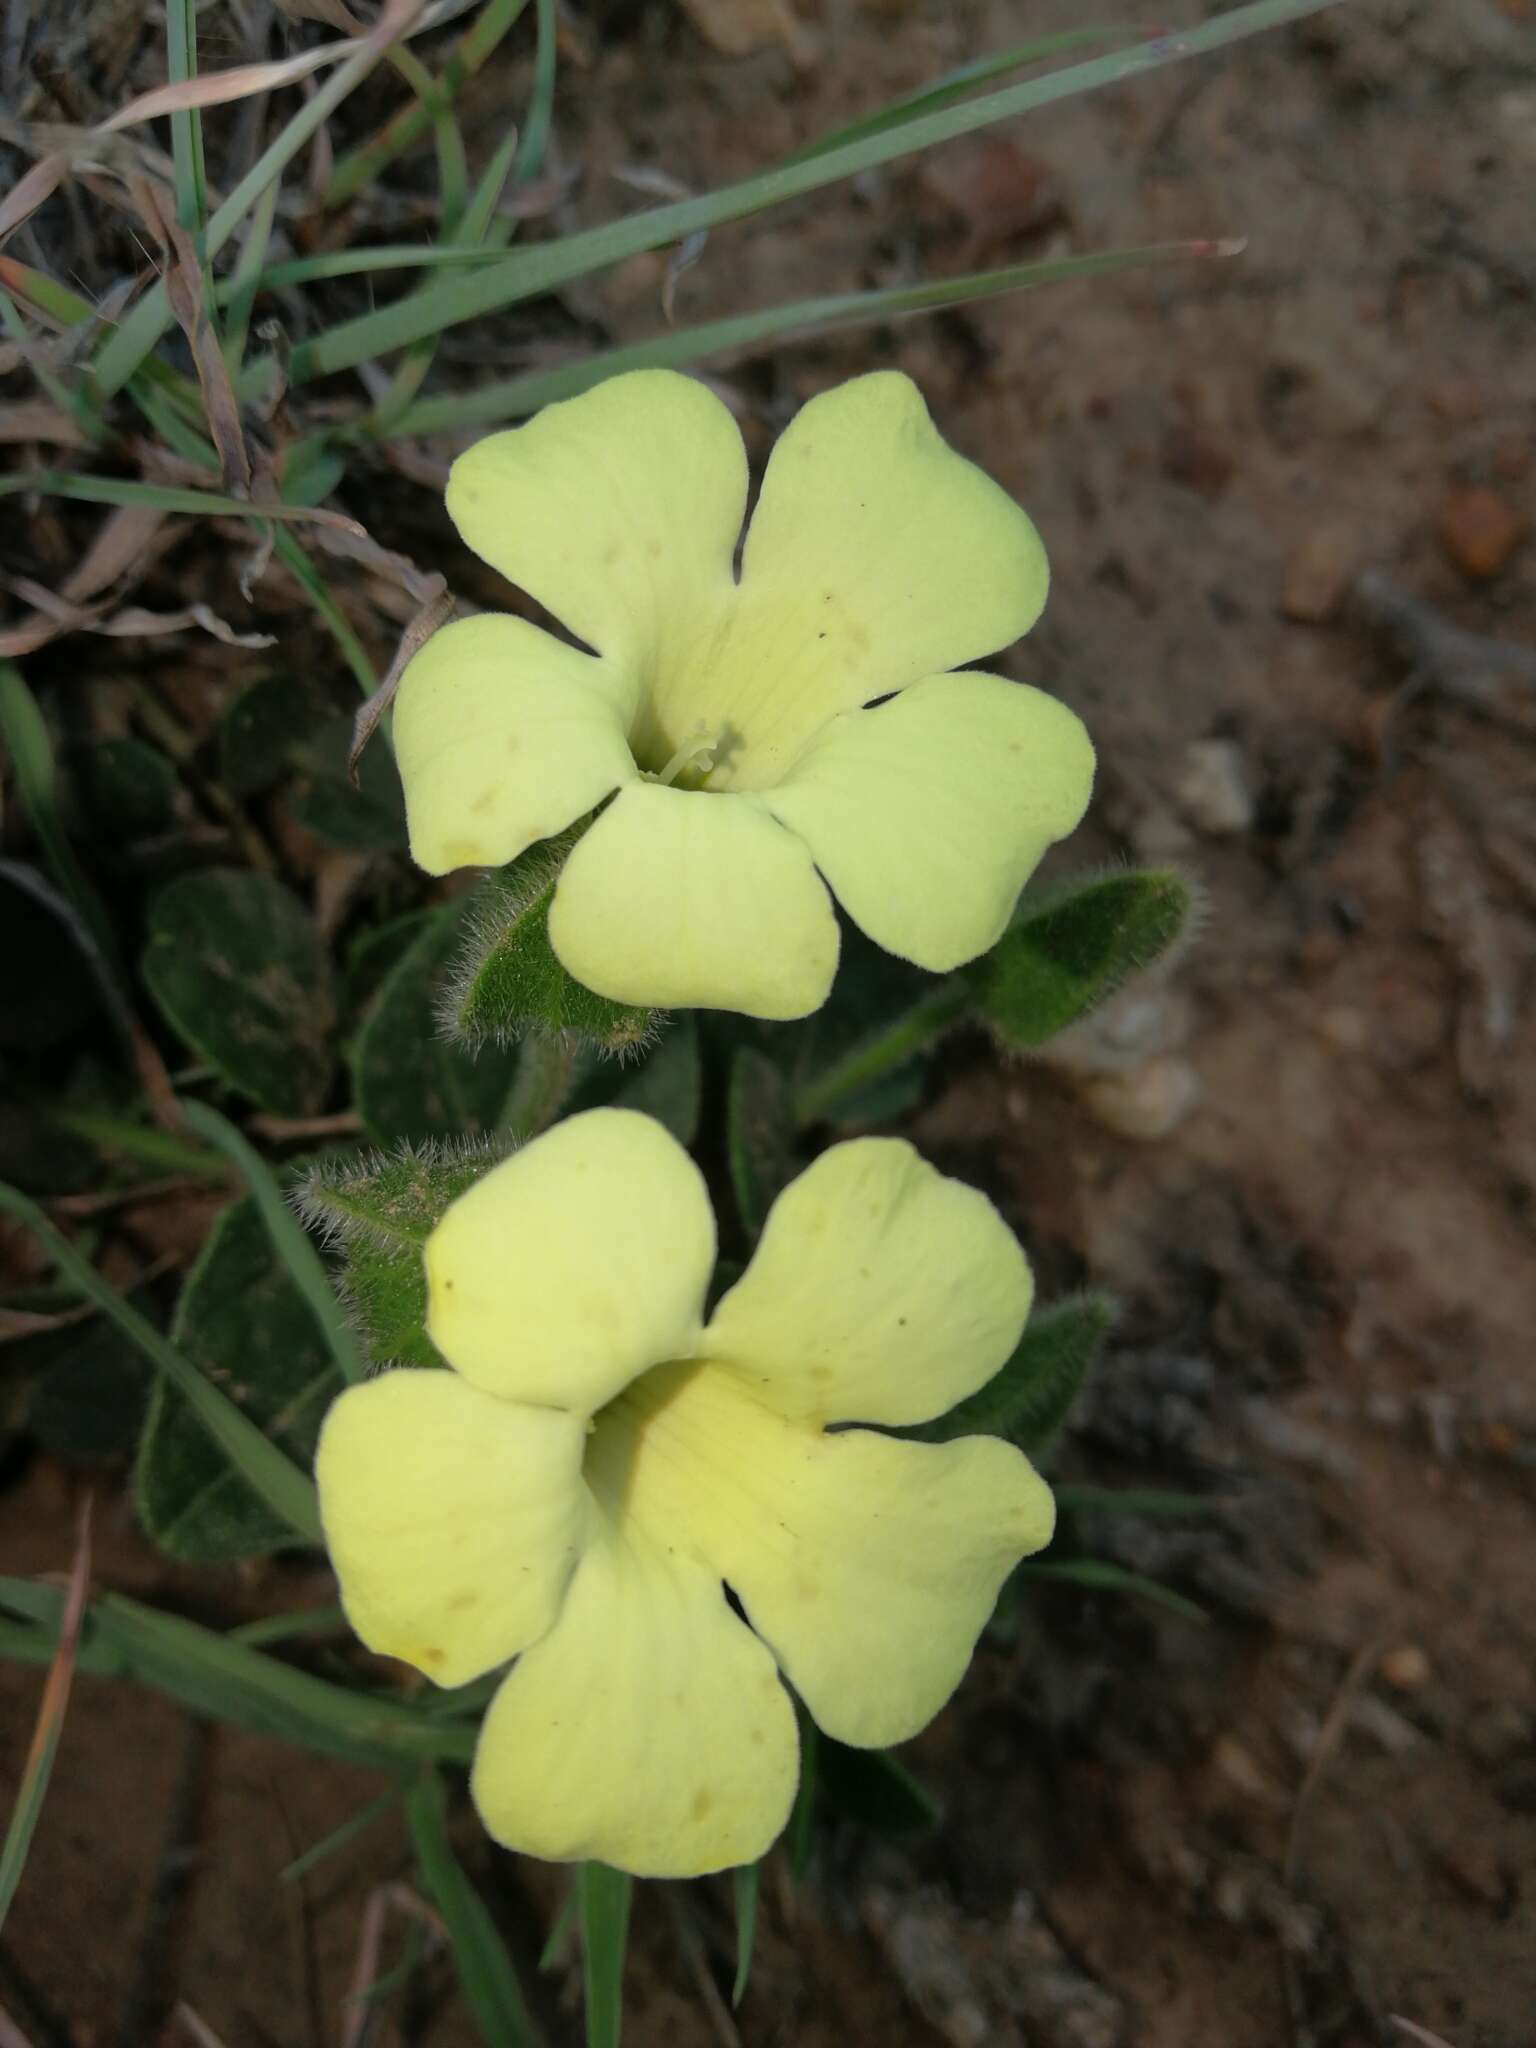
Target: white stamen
(695, 752)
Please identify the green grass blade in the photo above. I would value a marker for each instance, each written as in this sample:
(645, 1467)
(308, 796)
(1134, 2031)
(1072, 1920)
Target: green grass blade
(313, 583)
(485, 1969)
(186, 127)
(289, 1238)
(518, 396)
(1102, 1577)
(533, 271)
(605, 1900)
(25, 733)
(800, 1831)
(452, 164)
(216, 1675)
(354, 1825)
(137, 333)
(363, 165)
(746, 1882)
(112, 490)
(541, 101)
(239, 293)
(32, 1789)
(289, 1492)
(955, 84)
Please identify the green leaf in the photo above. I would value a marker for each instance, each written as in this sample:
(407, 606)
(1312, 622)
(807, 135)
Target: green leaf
(299, 1257)
(746, 1882)
(286, 1489)
(381, 1213)
(759, 1135)
(876, 1789)
(508, 982)
(366, 817)
(245, 1325)
(1070, 948)
(118, 790)
(605, 1900)
(89, 1393)
(1029, 1399)
(1101, 1577)
(489, 1981)
(237, 966)
(410, 1082)
(669, 1084)
(258, 731)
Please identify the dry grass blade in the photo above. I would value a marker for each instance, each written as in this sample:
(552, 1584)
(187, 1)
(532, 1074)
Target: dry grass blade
(123, 542)
(359, 2005)
(188, 300)
(196, 2026)
(11, 2035)
(29, 192)
(38, 1769)
(1417, 2033)
(434, 613)
(35, 419)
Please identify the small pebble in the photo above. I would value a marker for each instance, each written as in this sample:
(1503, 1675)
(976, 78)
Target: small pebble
(1318, 575)
(1212, 789)
(1480, 530)
(1406, 1667)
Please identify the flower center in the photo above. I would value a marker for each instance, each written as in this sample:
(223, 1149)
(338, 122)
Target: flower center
(692, 761)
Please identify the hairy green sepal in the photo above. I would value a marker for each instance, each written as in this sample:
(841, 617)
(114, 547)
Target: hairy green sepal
(508, 982)
(1070, 948)
(379, 1213)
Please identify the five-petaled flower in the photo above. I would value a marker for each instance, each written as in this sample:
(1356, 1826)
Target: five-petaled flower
(742, 719)
(656, 1515)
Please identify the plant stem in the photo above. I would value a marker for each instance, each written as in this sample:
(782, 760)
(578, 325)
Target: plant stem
(884, 1050)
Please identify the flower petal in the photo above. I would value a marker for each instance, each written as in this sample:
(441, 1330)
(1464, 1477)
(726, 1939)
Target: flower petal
(648, 1730)
(452, 1519)
(618, 510)
(575, 1264)
(504, 735)
(680, 898)
(876, 556)
(881, 1292)
(868, 1566)
(927, 815)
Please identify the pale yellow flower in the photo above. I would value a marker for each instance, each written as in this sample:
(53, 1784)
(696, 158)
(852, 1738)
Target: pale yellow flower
(729, 712)
(601, 1464)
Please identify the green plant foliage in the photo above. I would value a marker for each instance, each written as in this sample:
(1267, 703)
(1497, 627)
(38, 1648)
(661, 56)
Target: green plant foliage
(669, 1084)
(237, 966)
(1030, 1398)
(759, 1133)
(50, 990)
(411, 1083)
(746, 1882)
(245, 1325)
(1070, 948)
(490, 1984)
(366, 817)
(604, 1896)
(116, 791)
(284, 728)
(89, 1388)
(508, 982)
(381, 1212)
(875, 1788)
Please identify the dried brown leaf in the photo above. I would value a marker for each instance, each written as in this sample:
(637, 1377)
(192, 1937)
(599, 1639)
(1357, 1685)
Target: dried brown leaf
(122, 542)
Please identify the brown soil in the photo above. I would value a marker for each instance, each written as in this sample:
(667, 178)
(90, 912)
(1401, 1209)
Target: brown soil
(1320, 1810)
